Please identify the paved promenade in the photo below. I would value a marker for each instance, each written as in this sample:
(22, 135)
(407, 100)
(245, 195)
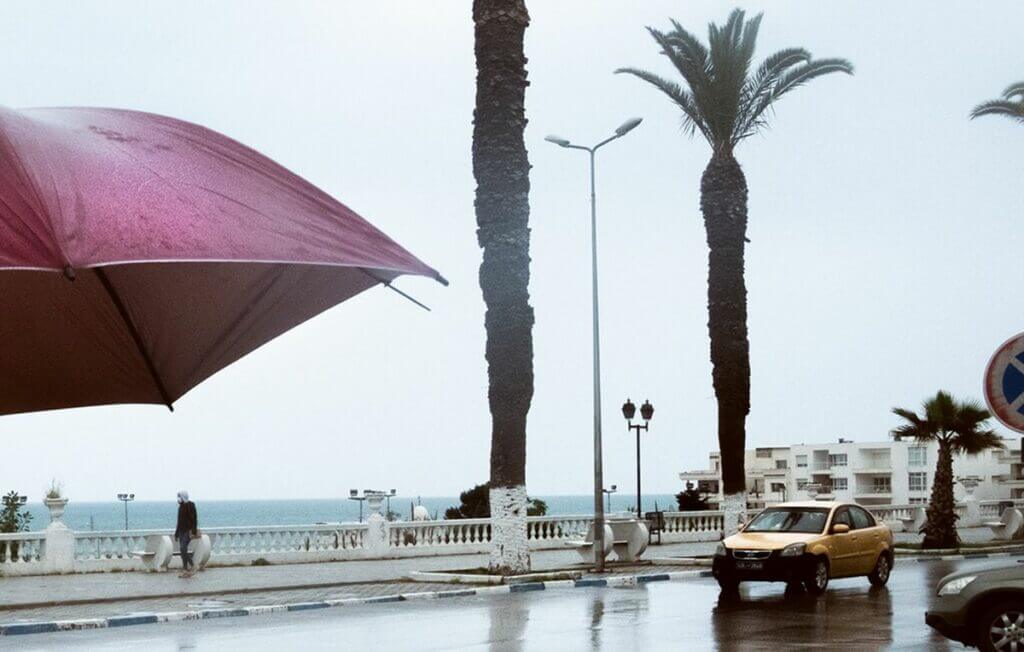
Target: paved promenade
(98, 595)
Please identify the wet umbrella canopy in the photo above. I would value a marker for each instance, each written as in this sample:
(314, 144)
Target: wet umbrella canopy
(140, 254)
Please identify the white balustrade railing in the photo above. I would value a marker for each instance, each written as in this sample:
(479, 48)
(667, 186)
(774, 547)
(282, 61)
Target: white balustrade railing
(114, 550)
(693, 526)
(21, 550)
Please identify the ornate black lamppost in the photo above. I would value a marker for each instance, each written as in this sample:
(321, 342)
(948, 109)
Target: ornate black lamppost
(629, 411)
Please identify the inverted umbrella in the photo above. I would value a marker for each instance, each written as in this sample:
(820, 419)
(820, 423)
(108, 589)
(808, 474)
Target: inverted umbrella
(140, 254)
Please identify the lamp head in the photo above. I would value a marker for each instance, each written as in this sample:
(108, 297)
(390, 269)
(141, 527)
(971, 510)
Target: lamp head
(627, 126)
(558, 140)
(647, 410)
(353, 493)
(628, 410)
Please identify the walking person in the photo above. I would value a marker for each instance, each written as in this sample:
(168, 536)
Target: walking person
(188, 526)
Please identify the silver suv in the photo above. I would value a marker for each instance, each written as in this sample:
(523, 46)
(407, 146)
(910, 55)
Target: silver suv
(982, 607)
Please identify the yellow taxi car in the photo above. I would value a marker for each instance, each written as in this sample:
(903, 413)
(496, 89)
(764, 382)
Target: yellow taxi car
(808, 543)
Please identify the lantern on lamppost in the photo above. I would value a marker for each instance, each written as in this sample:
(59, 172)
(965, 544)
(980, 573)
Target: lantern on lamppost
(646, 413)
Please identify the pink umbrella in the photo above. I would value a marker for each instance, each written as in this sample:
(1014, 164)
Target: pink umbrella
(140, 254)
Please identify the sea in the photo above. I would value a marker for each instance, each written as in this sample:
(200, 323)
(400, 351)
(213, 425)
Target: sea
(146, 515)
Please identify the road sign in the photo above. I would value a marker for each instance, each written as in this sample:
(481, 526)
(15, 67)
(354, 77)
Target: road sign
(1004, 383)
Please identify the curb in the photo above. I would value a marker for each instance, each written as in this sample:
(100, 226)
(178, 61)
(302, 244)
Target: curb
(622, 581)
(968, 555)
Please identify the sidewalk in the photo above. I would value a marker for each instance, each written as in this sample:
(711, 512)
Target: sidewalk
(22, 593)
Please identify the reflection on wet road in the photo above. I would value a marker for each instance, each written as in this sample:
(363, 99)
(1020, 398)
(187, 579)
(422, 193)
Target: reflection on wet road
(689, 615)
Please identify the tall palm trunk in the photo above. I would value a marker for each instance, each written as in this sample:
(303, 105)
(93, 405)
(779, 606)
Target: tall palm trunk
(940, 528)
(501, 169)
(723, 202)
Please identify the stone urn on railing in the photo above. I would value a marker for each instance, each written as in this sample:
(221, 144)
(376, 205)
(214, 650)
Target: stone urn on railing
(56, 502)
(972, 510)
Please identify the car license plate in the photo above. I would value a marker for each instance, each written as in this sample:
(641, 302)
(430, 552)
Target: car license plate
(749, 565)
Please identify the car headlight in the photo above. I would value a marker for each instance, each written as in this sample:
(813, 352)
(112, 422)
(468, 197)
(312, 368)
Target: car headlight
(720, 550)
(794, 550)
(954, 587)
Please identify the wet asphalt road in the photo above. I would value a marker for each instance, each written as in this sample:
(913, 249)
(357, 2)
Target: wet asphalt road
(687, 615)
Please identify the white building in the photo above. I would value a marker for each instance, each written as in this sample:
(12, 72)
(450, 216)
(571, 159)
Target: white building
(872, 473)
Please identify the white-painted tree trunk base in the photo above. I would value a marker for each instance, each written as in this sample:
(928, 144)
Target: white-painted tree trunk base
(511, 549)
(734, 510)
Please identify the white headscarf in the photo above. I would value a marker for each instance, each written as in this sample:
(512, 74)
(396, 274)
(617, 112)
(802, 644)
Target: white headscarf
(182, 496)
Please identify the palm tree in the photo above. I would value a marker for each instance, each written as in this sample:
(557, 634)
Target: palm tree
(1010, 105)
(958, 427)
(726, 101)
(502, 170)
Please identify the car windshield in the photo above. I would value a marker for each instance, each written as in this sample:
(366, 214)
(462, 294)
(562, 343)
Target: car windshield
(789, 519)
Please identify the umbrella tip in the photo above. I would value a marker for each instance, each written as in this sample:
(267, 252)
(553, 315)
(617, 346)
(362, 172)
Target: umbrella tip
(170, 407)
(69, 271)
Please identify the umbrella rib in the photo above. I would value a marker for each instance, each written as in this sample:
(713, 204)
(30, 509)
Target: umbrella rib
(388, 285)
(123, 311)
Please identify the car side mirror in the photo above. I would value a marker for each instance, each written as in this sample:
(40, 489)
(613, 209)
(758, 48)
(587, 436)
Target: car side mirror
(840, 528)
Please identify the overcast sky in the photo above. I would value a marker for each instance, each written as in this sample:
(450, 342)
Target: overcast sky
(884, 227)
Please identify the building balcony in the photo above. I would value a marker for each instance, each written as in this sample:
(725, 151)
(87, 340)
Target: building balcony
(873, 493)
(698, 475)
(876, 469)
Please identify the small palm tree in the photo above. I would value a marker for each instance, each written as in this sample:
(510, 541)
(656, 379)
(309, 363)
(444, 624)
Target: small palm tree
(727, 100)
(1010, 105)
(959, 427)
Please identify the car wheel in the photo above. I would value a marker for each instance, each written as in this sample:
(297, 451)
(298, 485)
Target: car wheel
(728, 584)
(1002, 628)
(880, 574)
(817, 582)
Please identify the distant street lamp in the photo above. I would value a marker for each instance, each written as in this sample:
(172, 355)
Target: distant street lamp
(621, 131)
(608, 493)
(389, 496)
(126, 498)
(629, 411)
(353, 494)
(17, 500)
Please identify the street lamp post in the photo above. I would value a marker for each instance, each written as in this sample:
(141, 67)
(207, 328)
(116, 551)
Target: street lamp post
(126, 498)
(629, 411)
(608, 493)
(622, 130)
(353, 494)
(389, 496)
(17, 499)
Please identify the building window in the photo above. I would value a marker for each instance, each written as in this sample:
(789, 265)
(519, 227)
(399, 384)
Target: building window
(778, 487)
(917, 456)
(781, 464)
(918, 501)
(837, 459)
(801, 484)
(801, 461)
(839, 484)
(882, 485)
(918, 481)
(764, 452)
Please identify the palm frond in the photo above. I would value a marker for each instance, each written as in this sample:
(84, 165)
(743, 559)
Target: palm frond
(815, 68)
(977, 442)
(1011, 109)
(757, 92)
(1013, 90)
(693, 120)
(914, 428)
